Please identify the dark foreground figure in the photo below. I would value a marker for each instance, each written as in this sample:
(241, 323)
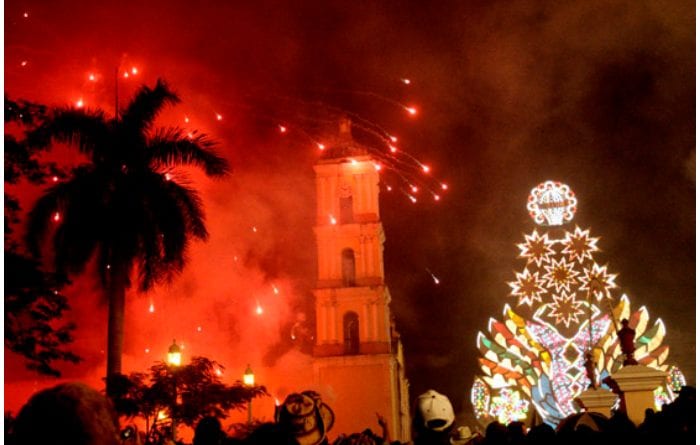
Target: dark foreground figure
(74, 414)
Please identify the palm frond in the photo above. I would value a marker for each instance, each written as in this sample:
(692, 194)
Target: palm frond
(163, 238)
(71, 208)
(169, 147)
(38, 219)
(80, 218)
(191, 206)
(150, 261)
(145, 106)
(86, 129)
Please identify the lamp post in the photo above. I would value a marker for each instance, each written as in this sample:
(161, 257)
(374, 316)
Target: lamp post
(174, 354)
(174, 360)
(249, 381)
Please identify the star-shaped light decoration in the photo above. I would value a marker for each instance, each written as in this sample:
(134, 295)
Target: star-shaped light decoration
(565, 309)
(560, 275)
(579, 245)
(509, 407)
(536, 248)
(597, 279)
(528, 287)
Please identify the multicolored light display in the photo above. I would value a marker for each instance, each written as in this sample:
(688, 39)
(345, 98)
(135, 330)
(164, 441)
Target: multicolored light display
(533, 358)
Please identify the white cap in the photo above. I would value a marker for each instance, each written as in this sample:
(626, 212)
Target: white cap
(436, 410)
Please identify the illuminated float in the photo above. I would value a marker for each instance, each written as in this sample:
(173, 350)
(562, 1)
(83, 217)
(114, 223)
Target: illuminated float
(561, 307)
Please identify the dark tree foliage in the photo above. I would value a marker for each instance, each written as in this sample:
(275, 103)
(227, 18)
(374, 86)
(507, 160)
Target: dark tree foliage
(122, 209)
(21, 158)
(190, 392)
(33, 302)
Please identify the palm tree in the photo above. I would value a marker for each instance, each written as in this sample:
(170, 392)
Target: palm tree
(122, 212)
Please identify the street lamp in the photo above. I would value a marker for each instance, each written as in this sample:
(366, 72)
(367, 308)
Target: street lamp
(249, 381)
(174, 360)
(174, 354)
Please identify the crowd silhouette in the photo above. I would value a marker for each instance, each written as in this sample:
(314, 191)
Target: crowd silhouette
(75, 414)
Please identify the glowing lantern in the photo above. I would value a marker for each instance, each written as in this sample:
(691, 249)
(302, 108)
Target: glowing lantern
(249, 381)
(248, 376)
(174, 355)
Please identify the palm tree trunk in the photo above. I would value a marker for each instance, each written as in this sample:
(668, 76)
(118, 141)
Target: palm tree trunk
(116, 292)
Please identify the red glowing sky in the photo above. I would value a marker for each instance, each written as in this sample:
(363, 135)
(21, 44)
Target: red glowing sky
(508, 95)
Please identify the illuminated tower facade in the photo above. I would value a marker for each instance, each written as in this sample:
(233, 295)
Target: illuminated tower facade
(358, 357)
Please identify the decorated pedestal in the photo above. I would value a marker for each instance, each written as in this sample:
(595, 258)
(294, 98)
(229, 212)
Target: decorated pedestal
(597, 400)
(638, 384)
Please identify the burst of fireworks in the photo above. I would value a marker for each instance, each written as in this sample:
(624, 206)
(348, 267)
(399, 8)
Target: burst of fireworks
(436, 280)
(310, 119)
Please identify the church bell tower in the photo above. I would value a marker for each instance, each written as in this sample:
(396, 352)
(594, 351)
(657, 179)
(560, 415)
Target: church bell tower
(358, 357)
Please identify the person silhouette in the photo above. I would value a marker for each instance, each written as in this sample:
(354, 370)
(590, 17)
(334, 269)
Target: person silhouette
(626, 337)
